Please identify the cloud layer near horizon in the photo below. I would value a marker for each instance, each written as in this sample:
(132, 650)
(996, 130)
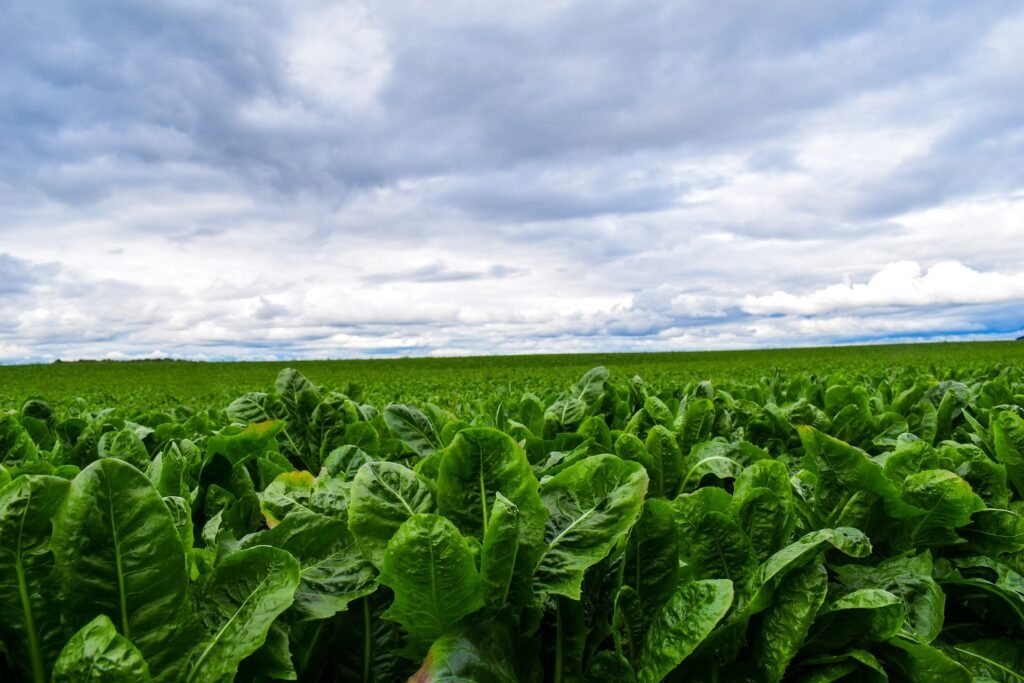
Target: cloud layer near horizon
(312, 179)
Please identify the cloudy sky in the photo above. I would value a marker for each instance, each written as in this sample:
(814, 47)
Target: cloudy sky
(323, 179)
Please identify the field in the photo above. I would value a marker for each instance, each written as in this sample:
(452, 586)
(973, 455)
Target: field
(812, 515)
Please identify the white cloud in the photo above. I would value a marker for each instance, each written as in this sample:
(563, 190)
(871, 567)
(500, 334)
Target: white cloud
(298, 180)
(899, 284)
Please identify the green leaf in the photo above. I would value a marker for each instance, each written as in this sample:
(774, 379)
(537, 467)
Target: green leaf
(925, 664)
(947, 500)
(847, 540)
(16, 446)
(689, 509)
(430, 568)
(499, 554)
(478, 652)
(851, 468)
(591, 387)
(413, 428)
(996, 660)
(30, 622)
(255, 406)
(241, 444)
(478, 464)
(786, 622)
(1008, 439)
(591, 505)
(697, 424)
(709, 457)
(99, 654)
(238, 603)
(995, 531)
(682, 624)
(288, 492)
(126, 445)
(662, 446)
(652, 556)
(333, 571)
(290, 385)
(383, 496)
(722, 551)
(763, 506)
(345, 461)
(910, 579)
(868, 614)
(117, 552)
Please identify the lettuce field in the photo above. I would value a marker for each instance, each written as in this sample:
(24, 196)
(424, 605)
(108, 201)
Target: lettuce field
(809, 516)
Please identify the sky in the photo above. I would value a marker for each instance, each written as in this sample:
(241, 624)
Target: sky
(306, 179)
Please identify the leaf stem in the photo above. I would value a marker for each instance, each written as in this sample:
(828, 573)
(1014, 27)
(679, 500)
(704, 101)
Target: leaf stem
(559, 655)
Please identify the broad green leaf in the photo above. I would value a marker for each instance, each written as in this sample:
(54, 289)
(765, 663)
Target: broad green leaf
(662, 446)
(689, 509)
(16, 446)
(697, 424)
(788, 619)
(255, 406)
(591, 387)
(413, 428)
(1008, 440)
(241, 444)
(500, 550)
(430, 568)
(290, 385)
(996, 660)
(710, 457)
(345, 461)
(766, 518)
(923, 663)
(126, 445)
(478, 464)
(480, 652)
(99, 654)
(868, 614)
(117, 552)
(947, 500)
(910, 579)
(238, 603)
(847, 540)
(629, 447)
(851, 468)
(591, 505)
(681, 625)
(383, 496)
(652, 556)
(332, 570)
(995, 531)
(763, 506)
(722, 551)
(288, 492)
(30, 624)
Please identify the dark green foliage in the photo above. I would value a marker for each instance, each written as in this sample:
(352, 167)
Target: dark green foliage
(847, 517)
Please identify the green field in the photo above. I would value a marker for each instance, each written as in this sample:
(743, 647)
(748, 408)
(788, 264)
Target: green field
(164, 384)
(801, 516)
